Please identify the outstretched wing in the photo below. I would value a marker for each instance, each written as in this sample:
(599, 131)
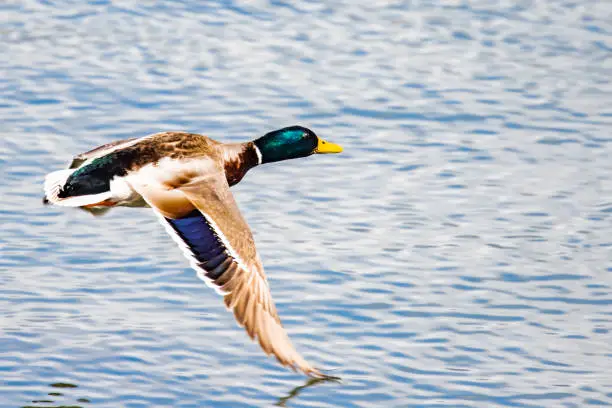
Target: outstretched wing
(201, 215)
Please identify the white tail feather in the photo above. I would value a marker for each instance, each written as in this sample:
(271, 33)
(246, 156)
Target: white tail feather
(54, 182)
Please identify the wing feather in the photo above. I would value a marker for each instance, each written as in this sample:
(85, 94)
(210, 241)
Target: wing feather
(236, 271)
(103, 150)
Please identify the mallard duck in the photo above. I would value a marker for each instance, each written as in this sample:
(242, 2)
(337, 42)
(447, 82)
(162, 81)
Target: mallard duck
(185, 178)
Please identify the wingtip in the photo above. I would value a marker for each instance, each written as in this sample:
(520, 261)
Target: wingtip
(326, 377)
(323, 374)
(317, 374)
(313, 372)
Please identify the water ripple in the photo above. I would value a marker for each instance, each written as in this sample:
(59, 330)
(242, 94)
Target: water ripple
(458, 253)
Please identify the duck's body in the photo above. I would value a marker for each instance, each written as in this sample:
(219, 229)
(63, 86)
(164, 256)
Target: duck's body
(185, 178)
(103, 175)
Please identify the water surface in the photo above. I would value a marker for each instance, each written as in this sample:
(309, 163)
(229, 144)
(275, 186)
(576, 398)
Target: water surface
(457, 254)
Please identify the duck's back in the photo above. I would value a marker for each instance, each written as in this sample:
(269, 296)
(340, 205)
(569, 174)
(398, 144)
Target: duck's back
(96, 178)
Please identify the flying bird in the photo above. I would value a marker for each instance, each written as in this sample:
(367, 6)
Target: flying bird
(186, 178)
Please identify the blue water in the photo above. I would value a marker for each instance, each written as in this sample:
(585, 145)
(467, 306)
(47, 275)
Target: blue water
(458, 253)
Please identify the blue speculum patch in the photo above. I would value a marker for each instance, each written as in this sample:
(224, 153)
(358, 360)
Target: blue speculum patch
(195, 231)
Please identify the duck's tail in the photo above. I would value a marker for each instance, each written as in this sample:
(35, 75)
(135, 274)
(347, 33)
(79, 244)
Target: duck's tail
(54, 182)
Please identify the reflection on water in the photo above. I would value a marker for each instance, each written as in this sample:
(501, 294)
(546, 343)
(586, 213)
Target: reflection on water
(457, 253)
(59, 399)
(62, 399)
(282, 402)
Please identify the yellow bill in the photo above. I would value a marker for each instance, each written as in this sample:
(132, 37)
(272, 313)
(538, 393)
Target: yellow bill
(327, 147)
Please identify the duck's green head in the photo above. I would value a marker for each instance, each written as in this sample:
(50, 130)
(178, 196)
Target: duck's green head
(291, 143)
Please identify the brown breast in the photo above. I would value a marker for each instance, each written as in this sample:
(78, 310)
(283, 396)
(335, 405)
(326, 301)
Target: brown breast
(238, 159)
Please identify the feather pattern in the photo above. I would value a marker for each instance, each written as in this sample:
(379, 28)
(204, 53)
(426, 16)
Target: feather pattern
(185, 178)
(198, 210)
